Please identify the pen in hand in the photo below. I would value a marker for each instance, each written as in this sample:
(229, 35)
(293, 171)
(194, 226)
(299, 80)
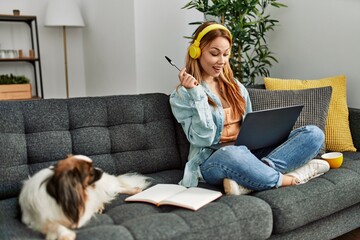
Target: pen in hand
(171, 62)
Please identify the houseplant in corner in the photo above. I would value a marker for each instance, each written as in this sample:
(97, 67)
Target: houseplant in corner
(249, 23)
(14, 87)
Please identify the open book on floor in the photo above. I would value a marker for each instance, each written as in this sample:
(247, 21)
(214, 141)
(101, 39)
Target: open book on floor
(172, 194)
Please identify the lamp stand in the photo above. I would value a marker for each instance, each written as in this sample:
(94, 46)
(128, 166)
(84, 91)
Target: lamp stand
(66, 65)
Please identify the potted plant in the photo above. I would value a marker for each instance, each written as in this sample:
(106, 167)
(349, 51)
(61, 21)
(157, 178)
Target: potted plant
(249, 23)
(14, 87)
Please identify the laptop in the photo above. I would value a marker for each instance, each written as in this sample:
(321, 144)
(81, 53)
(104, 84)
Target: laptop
(265, 128)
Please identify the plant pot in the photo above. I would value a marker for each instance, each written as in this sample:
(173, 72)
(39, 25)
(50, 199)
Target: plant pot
(15, 91)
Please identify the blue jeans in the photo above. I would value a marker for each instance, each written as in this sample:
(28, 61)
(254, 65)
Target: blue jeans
(263, 169)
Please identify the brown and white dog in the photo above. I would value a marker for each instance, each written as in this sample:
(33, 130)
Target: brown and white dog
(67, 195)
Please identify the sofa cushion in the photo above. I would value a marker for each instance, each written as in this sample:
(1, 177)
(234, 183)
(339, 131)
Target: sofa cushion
(316, 103)
(337, 132)
(125, 133)
(332, 192)
(228, 217)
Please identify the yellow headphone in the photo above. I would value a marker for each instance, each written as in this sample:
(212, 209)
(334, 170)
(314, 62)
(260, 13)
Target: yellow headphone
(194, 49)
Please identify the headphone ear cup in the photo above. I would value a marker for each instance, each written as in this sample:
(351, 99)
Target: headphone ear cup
(194, 51)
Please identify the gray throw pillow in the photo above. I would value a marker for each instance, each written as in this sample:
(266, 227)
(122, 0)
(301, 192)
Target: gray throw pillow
(315, 100)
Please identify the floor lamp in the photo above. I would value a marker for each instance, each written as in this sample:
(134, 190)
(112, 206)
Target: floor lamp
(63, 13)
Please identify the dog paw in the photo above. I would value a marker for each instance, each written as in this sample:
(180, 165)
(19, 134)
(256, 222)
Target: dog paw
(134, 190)
(137, 190)
(68, 236)
(60, 233)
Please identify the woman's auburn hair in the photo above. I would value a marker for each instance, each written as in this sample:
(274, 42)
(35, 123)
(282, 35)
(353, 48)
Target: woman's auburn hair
(229, 88)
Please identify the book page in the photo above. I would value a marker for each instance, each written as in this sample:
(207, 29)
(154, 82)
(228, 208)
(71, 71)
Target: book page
(193, 198)
(157, 193)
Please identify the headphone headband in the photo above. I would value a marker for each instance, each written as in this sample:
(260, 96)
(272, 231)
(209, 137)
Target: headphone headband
(209, 29)
(194, 49)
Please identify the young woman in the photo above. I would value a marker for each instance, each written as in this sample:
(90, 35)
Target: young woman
(210, 105)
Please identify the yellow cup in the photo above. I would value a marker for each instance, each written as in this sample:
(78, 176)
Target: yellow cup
(335, 159)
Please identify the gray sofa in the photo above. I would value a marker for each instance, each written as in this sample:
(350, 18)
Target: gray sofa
(138, 133)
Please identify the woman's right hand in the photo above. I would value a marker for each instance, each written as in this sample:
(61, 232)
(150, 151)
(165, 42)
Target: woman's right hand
(187, 80)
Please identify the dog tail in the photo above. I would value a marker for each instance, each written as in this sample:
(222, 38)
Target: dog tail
(134, 180)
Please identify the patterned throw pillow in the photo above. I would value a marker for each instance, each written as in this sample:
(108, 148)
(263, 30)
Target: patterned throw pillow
(337, 131)
(316, 103)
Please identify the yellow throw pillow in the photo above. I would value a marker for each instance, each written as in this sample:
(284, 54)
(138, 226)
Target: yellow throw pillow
(337, 131)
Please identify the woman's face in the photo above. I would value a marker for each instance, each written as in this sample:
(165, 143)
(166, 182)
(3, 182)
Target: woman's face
(213, 58)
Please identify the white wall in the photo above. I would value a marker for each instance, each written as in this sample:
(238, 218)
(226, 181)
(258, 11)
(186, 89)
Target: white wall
(158, 34)
(318, 39)
(109, 47)
(125, 43)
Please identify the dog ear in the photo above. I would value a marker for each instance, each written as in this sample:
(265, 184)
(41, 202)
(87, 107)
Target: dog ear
(66, 188)
(89, 174)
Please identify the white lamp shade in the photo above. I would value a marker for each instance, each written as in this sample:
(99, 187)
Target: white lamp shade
(63, 13)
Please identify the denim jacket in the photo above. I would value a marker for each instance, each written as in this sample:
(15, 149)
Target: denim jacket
(202, 124)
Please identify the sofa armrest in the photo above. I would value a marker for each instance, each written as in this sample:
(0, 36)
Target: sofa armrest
(354, 119)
